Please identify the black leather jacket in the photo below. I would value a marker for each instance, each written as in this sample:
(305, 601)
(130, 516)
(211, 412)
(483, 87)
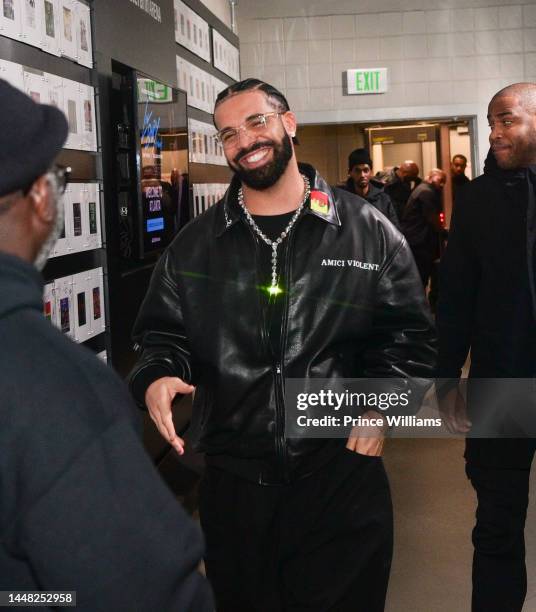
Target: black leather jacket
(353, 306)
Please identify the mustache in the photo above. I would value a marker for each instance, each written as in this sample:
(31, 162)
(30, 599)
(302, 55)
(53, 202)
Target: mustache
(252, 148)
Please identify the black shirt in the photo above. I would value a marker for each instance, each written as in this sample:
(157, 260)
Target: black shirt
(272, 226)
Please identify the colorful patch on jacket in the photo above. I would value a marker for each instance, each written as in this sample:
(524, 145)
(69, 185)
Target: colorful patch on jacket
(320, 202)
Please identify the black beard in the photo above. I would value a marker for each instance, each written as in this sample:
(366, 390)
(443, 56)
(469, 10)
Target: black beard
(266, 176)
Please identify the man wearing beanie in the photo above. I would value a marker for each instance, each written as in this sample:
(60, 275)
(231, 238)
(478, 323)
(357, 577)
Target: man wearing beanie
(81, 507)
(361, 183)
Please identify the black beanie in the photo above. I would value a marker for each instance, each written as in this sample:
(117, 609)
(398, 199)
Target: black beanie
(31, 136)
(359, 156)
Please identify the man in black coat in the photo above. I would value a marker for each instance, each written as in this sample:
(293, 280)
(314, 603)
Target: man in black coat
(457, 174)
(400, 182)
(487, 304)
(421, 222)
(258, 290)
(81, 507)
(361, 183)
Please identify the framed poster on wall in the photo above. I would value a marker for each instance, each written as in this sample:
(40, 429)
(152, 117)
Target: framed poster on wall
(54, 90)
(68, 42)
(36, 86)
(72, 103)
(226, 56)
(32, 21)
(51, 37)
(83, 35)
(10, 18)
(191, 30)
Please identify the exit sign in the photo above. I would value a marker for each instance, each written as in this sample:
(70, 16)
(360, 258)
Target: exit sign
(152, 91)
(367, 80)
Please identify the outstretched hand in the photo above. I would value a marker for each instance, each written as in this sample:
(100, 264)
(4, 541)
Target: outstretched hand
(158, 399)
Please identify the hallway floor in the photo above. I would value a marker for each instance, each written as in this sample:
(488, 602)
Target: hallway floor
(434, 509)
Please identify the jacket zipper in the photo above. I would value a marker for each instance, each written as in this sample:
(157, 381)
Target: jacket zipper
(279, 366)
(264, 336)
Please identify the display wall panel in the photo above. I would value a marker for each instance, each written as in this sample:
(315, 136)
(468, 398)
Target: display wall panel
(226, 56)
(11, 18)
(88, 119)
(75, 304)
(36, 86)
(40, 29)
(52, 25)
(98, 319)
(32, 22)
(204, 147)
(12, 73)
(82, 226)
(54, 94)
(191, 30)
(49, 303)
(57, 27)
(68, 39)
(63, 246)
(82, 305)
(205, 195)
(83, 35)
(92, 197)
(63, 294)
(201, 86)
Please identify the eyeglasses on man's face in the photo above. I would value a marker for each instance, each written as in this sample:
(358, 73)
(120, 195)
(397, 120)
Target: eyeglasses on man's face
(257, 123)
(62, 175)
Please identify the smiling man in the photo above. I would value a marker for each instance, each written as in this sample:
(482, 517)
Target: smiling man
(241, 302)
(487, 304)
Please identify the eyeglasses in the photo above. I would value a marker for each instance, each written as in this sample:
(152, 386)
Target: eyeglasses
(229, 136)
(62, 175)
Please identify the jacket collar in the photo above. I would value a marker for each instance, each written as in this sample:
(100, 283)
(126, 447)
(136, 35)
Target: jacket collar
(375, 189)
(321, 204)
(509, 177)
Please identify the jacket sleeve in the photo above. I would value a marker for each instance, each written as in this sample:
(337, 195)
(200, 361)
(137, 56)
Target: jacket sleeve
(403, 342)
(459, 279)
(107, 527)
(159, 331)
(391, 212)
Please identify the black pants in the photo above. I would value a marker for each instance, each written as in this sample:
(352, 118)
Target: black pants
(499, 471)
(323, 543)
(424, 258)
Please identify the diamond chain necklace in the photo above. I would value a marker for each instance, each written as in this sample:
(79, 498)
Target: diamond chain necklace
(273, 244)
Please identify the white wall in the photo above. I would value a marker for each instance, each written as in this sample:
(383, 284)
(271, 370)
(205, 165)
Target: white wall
(221, 9)
(445, 57)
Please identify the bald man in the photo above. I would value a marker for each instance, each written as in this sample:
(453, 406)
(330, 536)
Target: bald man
(399, 184)
(421, 222)
(487, 305)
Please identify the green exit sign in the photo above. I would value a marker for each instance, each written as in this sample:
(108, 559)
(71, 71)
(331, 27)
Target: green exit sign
(367, 80)
(153, 91)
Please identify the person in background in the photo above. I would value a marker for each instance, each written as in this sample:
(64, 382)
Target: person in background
(421, 222)
(81, 506)
(400, 182)
(361, 183)
(457, 174)
(487, 305)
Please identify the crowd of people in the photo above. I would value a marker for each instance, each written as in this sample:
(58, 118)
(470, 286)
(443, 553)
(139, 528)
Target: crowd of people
(248, 296)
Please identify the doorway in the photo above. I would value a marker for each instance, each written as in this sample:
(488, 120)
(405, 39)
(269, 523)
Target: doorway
(430, 143)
